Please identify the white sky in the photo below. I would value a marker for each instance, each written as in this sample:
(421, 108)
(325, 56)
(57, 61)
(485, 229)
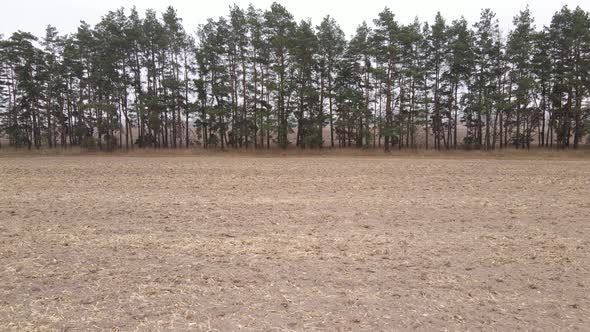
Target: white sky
(34, 15)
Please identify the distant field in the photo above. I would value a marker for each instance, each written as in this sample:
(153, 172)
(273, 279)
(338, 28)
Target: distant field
(339, 242)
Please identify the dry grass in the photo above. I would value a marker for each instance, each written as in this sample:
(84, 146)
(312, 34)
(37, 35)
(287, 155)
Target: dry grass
(507, 154)
(213, 243)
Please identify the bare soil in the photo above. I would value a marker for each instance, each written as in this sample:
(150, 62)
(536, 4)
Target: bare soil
(298, 243)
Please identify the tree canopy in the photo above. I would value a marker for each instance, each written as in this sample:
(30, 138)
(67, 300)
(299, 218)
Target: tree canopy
(256, 78)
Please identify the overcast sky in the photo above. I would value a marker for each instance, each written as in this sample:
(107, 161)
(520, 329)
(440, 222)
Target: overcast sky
(34, 15)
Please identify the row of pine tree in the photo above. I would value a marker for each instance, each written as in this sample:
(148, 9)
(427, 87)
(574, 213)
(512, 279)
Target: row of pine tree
(255, 79)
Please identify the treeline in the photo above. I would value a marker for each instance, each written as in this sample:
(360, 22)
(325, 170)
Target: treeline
(256, 78)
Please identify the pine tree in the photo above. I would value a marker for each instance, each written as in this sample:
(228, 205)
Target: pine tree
(439, 45)
(280, 29)
(519, 51)
(331, 46)
(386, 47)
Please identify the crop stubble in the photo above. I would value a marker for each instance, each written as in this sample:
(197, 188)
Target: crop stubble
(299, 243)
